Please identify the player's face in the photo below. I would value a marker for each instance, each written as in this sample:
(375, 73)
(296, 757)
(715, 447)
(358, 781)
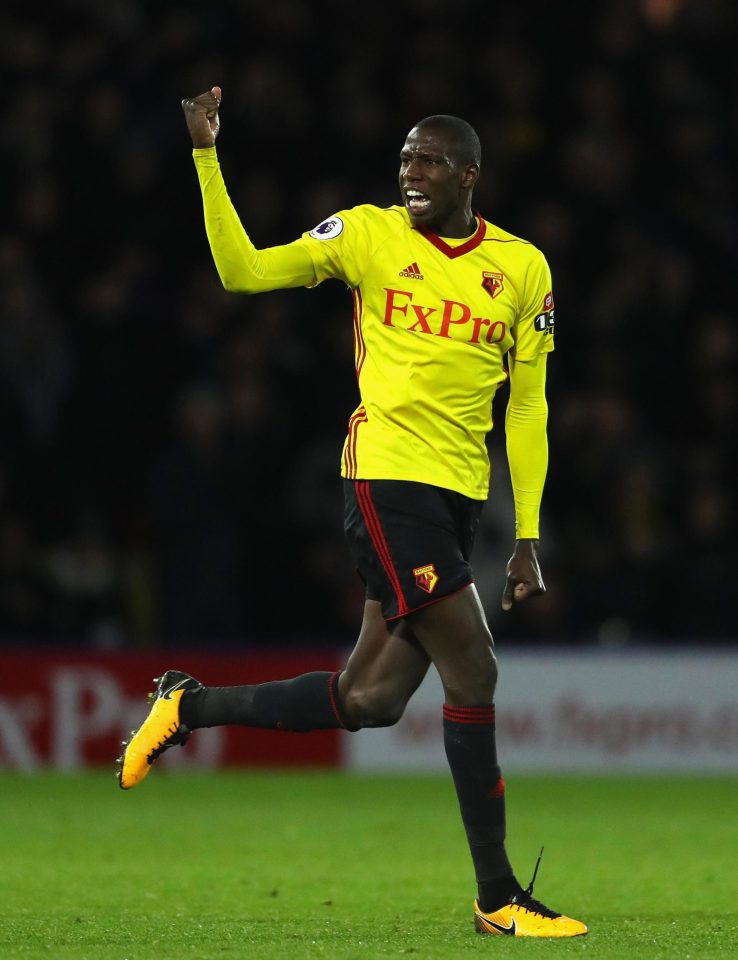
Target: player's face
(434, 185)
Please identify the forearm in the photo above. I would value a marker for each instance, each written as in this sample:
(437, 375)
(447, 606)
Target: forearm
(241, 267)
(527, 444)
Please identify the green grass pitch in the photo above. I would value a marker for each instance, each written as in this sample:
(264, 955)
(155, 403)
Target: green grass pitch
(294, 865)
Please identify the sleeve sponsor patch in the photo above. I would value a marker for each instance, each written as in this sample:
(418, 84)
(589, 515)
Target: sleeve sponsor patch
(544, 322)
(328, 230)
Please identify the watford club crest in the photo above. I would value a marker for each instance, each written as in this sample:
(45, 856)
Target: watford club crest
(426, 577)
(493, 283)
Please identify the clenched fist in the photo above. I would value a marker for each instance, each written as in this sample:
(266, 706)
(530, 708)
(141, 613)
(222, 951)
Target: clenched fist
(201, 114)
(523, 574)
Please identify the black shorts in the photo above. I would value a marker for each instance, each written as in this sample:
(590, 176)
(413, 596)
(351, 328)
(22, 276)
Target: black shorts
(411, 542)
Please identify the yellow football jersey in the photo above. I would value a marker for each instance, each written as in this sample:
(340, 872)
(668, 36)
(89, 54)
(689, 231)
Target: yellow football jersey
(433, 319)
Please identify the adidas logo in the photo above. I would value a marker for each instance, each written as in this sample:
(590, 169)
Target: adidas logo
(413, 271)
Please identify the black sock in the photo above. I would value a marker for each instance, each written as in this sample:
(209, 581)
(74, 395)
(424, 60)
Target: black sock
(469, 738)
(308, 702)
(493, 894)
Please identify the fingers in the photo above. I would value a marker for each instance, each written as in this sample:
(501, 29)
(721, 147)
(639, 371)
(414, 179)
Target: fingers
(201, 117)
(507, 595)
(516, 591)
(526, 589)
(207, 103)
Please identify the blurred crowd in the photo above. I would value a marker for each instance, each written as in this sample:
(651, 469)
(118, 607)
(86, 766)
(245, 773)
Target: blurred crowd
(170, 453)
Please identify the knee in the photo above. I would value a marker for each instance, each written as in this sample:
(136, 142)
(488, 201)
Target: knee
(472, 679)
(372, 707)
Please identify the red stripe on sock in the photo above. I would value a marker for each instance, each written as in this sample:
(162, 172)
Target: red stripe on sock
(468, 714)
(333, 694)
(497, 791)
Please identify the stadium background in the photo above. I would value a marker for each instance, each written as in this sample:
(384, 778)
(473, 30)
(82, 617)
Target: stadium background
(169, 457)
(169, 492)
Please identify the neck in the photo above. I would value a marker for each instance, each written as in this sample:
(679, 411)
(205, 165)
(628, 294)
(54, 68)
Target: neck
(460, 224)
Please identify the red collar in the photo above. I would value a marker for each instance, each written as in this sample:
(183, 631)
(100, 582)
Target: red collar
(453, 252)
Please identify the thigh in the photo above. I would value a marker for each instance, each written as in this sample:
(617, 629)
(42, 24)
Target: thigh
(455, 635)
(387, 657)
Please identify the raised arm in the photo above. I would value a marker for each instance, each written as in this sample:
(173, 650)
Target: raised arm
(527, 454)
(241, 267)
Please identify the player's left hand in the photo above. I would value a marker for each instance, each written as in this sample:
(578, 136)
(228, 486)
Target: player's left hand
(523, 574)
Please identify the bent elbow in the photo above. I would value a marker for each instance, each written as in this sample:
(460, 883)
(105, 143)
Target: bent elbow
(230, 285)
(235, 284)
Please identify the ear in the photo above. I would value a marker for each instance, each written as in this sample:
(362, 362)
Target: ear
(470, 175)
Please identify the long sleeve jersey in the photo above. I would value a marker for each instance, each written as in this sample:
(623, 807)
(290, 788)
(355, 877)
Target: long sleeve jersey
(438, 325)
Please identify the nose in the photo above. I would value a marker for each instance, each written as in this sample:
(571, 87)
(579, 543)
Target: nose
(412, 170)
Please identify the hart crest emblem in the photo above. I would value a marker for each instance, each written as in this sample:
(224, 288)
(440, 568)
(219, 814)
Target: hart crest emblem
(493, 283)
(426, 577)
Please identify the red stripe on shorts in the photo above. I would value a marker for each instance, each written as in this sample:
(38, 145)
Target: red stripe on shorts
(373, 525)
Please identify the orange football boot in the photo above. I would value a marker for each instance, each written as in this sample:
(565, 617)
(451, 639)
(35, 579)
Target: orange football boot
(161, 730)
(525, 917)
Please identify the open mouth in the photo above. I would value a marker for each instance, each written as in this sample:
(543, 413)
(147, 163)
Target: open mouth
(416, 202)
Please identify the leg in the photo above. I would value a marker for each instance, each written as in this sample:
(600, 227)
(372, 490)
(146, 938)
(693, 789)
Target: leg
(382, 673)
(455, 635)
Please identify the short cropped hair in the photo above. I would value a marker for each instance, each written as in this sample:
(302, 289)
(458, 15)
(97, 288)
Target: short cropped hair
(468, 147)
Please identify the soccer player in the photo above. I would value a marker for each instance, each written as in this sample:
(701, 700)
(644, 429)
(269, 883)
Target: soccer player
(442, 298)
